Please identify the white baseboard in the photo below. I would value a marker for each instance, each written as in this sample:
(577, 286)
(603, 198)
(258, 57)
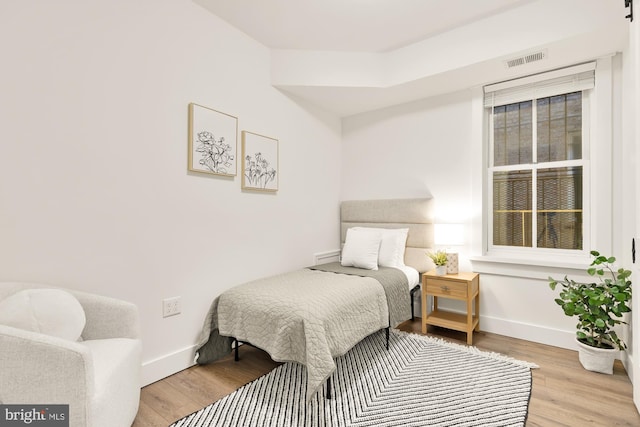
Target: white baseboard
(162, 367)
(628, 365)
(543, 335)
(520, 330)
(529, 332)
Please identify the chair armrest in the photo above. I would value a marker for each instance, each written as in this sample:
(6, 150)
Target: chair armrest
(108, 317)
(38, 368)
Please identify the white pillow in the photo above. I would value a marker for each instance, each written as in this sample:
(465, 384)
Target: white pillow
(392, 246)
(361, 248)
(47, 311)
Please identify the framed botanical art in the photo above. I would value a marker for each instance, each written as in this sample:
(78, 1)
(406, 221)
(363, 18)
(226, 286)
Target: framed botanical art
(213, 141)
(260, 168)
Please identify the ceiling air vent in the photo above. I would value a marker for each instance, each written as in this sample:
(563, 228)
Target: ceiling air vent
(525, 59)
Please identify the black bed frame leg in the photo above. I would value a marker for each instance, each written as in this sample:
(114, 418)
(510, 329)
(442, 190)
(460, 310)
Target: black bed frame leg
(236, 346)
(329, 388)
(411, 294)
(386, 332)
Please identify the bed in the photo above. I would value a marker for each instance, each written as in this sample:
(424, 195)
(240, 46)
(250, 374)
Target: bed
(315, 314)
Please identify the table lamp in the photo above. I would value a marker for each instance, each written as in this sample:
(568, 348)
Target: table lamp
(449, 235)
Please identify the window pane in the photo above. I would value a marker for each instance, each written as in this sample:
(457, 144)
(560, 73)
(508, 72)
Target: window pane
(512, 136)
(559, 216)
(559, 127)
(512, 208)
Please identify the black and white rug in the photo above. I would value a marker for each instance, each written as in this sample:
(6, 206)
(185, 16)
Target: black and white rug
(419, 381)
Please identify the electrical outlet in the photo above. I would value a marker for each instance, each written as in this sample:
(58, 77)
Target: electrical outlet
(171, 306)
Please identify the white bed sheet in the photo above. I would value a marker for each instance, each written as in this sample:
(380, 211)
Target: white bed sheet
(413, 277)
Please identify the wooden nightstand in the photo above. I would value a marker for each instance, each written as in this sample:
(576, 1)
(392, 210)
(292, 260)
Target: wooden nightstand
(461, 286)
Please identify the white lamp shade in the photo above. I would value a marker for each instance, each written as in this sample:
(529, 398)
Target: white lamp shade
(449, 234)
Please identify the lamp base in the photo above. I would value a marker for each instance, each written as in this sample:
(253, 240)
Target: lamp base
(452, 263)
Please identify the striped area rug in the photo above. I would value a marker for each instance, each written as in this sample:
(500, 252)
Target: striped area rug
(419, 381)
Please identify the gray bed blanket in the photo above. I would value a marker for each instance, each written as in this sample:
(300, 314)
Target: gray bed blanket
(393, 281)
(307, 316)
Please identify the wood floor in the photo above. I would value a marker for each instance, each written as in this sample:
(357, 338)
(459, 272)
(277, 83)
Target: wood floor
(563, 394)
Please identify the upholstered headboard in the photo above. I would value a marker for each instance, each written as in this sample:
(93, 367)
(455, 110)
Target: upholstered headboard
(414, 214)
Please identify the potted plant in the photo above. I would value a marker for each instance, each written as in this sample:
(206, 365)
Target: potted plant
(599, 306)
(439, 258)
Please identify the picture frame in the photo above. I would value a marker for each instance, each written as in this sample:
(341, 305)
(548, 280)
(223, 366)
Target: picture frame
(213, 141)
(260, 162)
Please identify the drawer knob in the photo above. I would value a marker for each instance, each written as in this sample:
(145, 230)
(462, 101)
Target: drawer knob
(444, 288)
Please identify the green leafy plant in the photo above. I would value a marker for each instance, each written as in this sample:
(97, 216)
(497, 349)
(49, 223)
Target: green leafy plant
(600, 305)
(439, 258)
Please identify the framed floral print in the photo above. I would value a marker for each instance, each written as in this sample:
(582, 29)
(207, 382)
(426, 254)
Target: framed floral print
(213, 141)
(260, 168)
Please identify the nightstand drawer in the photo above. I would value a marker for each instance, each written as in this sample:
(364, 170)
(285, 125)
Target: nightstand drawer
(447, 288)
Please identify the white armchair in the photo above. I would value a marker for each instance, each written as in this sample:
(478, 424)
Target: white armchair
(98, 375)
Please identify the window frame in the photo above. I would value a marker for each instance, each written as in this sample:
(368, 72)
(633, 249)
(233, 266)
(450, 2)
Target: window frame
(516, 252)
(605, 138)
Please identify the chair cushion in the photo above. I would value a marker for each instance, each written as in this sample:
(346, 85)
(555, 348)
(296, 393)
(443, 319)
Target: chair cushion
(48, 311)
(116, 368)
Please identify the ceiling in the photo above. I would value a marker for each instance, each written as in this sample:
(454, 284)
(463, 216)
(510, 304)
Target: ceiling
(350, 25)
(354, 56)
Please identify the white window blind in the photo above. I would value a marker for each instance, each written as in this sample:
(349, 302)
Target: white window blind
(565, 80)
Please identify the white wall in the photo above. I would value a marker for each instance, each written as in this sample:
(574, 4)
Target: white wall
(411, 150)
(435, 147)
(94, 189)
(426, 148)
(419, 149)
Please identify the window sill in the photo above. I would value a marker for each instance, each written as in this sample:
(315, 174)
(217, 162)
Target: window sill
(539, 268)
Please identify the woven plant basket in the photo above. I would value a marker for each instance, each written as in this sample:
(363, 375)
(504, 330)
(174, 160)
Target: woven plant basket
(597, 359)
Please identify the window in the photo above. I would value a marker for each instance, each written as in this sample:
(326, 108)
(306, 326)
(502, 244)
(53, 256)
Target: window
(538, 140)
